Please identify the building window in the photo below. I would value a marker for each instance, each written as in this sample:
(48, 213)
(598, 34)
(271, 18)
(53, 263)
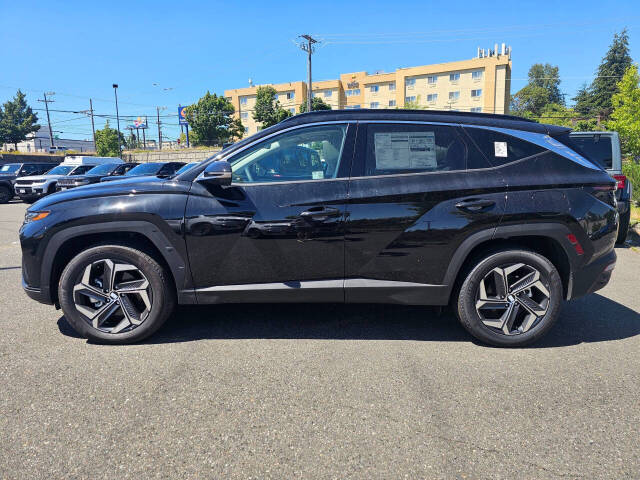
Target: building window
(392, 103)
(454, 96)
(327, 93)
(246, 129)
(352, 92)
(477, 75)
(374, 88)
(244, 115)
(476, 93)
(411, 99)
(374, 105)
(476, 109)
(292, 110)
(352, 107)
(432, 79)
(392, 86)
(243, 100)
(432, 97)
(291, 95)
(454, 77)
(410, 82)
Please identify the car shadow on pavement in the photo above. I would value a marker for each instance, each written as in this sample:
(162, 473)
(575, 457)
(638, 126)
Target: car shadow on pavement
(591, 319)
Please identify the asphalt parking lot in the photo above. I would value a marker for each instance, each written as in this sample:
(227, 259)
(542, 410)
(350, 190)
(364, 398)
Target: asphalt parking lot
(320, 391)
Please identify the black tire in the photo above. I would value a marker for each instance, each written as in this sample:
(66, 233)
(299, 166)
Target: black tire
(623, 229)
(5, 194)
(469, 292)
(162, 297)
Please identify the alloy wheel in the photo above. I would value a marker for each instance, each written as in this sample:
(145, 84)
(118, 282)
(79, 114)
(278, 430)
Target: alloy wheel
(114, 297)
(511, 299)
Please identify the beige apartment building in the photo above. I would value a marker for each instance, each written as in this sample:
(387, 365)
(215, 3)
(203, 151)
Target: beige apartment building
(481, 84)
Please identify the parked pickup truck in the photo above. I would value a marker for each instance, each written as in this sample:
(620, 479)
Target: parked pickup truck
(604, 148)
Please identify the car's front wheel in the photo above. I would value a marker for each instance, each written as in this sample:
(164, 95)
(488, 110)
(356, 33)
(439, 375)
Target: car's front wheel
(510, 298)
(115, 294)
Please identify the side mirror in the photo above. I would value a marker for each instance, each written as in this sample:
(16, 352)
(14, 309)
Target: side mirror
(217, 173)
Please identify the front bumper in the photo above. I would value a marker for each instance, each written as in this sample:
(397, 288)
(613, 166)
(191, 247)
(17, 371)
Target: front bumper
(594, 276)
(29, 192)
(41, 295)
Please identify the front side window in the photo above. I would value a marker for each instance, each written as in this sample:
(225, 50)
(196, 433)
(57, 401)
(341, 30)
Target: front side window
(309, 153)
(101, 169)
(81, 169)
(500, 148)
(399, 148)
(144, 169)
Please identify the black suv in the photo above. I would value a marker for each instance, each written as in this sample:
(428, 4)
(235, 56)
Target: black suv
(496, 216)
(95, 175)
(10, 172)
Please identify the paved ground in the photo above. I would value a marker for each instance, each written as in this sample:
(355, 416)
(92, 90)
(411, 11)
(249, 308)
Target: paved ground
(319, 392)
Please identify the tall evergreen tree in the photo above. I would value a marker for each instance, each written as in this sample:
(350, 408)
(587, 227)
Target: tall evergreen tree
(596, 100)
(17, 121)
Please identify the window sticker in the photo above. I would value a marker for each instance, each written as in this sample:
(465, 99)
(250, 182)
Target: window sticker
(405, 151)
(317, 175)
(500, 149)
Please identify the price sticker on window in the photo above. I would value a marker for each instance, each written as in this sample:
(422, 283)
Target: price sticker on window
(500, 149)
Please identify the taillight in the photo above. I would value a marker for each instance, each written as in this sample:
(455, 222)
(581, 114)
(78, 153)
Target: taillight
(621, 179)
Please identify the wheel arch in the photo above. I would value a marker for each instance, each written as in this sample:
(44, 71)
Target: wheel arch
(546, 239)
(142, 235)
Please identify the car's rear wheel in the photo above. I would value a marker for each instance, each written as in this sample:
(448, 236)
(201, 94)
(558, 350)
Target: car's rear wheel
(510, 298)
(5, 194)
(115, 294)
(623, 229)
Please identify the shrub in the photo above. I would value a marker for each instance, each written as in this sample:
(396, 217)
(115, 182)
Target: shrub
(632, 170)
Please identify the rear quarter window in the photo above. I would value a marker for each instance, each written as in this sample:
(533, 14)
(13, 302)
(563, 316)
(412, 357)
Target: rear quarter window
(500, 148)
(596, 148)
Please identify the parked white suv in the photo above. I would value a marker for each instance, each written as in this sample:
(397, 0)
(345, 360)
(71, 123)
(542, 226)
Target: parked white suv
(29, 189)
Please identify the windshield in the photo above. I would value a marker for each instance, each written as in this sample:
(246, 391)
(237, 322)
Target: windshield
(144, 169)
(186, 167)
(60, 170)
(596, 148)
(10, 168)
(102, 169)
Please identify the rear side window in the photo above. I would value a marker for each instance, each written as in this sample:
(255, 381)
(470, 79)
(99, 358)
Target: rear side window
(596, 148)
(500, 148)
(401, 148)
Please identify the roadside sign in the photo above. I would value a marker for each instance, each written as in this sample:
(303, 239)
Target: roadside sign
(140, 122)
(182, 117)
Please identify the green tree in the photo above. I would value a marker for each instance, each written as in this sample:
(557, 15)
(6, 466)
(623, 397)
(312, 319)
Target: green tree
(268, 110)
(625, 118)
(596, 99)
(542, 89)
(109, 141)
(557, 114)
(316, 104)
(212, 122)
(17, 120)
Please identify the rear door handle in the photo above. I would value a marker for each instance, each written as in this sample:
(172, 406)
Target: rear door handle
(320, 213)
(475, 204)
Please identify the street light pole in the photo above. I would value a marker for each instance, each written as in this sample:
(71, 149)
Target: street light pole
(115, 91)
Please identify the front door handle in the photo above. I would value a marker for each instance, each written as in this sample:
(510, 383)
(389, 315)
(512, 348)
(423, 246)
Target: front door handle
(475, 204)
(320, 214)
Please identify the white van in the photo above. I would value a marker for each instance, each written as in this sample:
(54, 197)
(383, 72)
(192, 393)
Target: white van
(29, 189)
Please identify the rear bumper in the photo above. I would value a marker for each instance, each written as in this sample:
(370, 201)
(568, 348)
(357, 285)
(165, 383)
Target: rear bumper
(594, 276)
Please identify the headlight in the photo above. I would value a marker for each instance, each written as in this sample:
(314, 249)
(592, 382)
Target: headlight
(35, 216)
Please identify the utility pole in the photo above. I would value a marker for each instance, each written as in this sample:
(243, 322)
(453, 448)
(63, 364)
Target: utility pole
(308, 47)
(93, 127)
(159, 131)
(115, 91)
(46, 106)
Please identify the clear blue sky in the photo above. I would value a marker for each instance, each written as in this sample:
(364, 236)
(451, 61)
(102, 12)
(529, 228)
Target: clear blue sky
(78, 49)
